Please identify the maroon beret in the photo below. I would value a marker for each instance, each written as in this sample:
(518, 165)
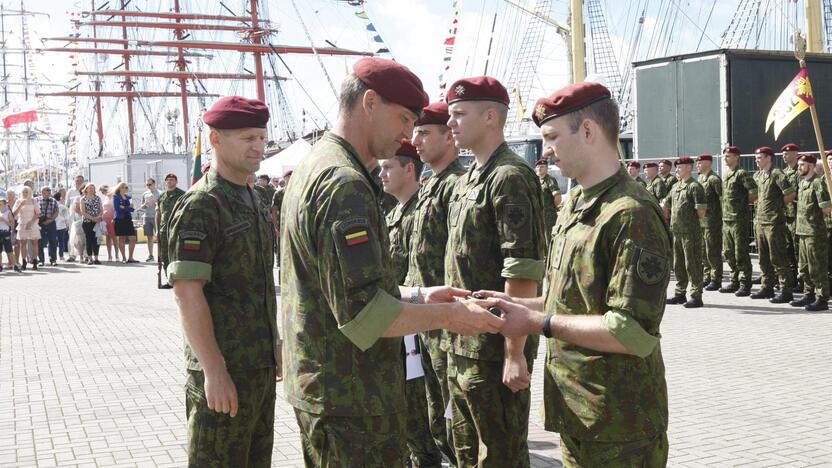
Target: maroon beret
(765, 150)
(171, 175)
(790, 147)
(232, 112)
(634, 164)
(705, 157)
(479, 88)
(541, 162)
(809, 158)
(666, 161)
(287, 173)
(650, 164)
(684, 160)
(731, 149)
(407, 149)
(568, 99)
(393, 81)
(436, 113)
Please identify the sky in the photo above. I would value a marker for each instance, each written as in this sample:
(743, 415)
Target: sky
(413, 30)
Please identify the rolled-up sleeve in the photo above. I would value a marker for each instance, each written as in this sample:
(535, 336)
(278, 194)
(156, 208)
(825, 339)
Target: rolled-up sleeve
(630, 333)
(518, 205)
(193, 238)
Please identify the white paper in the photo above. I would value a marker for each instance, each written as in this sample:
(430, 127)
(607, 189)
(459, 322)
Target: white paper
(413, 362)
(448, 412)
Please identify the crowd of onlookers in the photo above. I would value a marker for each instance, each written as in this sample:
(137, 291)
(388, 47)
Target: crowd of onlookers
(40, 228)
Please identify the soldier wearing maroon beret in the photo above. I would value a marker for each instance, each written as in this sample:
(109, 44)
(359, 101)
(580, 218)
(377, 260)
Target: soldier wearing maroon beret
(496, 241)
(712, 224)
(342, 308)
(221, 251)
(634, 170)
(434, 142)
(551, 194)
(610, 228)
(775, 191)
(739, 191)
(790, 155)
(655, 183)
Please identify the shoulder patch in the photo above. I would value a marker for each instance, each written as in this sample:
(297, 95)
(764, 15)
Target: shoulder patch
(651, 268)
(193, 235)
(516, 215)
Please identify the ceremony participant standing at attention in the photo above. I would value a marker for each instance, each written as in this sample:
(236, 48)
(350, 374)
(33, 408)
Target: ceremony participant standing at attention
(400, 178)
(342, 313)
(634, 170)
(711, 224)
(775, 192)
(604, 388)
(813, 205)
(164, 210)
(220, 246)
(687, 206)
(655, 184)
(495, 241)
(740, 192)
(790, 155)
(665, 172)
(434, 142)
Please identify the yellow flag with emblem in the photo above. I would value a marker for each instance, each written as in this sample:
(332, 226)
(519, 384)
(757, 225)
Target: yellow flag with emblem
(796, 98)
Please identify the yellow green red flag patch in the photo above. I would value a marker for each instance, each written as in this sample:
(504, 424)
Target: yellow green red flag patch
(191, 244)
(357, 238)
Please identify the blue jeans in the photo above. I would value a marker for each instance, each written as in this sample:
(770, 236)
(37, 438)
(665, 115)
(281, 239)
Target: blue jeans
(48, 233)
(63, 242)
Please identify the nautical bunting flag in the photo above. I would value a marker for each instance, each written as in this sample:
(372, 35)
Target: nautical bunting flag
(449, 44)
(20, 114)
(796, 98)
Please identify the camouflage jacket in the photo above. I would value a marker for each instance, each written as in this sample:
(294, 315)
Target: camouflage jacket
(494, 233)
(216, 236)
(400, 227)
(712, 185)
(610, 252)
(339, 291)
(669, 181)
(277, 202)
(685, 198)
(657, 188)
(550, 190)
(641, 181)
(793, 176)
(165, 205)
(772, 186)
(265, 195)
(811, 199)
(738, 185)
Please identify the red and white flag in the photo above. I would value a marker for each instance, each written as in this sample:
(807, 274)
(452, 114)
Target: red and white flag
(21, 114)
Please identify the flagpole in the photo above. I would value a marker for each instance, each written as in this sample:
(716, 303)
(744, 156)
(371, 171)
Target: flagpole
(800, 54)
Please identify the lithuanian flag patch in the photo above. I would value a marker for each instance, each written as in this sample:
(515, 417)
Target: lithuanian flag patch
(357, 238)
(191, 244)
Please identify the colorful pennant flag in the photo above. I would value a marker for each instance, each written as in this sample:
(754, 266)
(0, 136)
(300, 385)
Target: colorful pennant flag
(796, 98)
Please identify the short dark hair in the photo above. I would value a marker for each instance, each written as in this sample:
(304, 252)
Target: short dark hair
(57, 196)
(418, 165)
(151, 180)
(352, 89)
(604, 113)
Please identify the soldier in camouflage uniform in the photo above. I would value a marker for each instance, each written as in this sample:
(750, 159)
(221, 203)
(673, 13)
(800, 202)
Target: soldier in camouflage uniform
(687, 206)
(163, 211)
(220, 246)
(551, 194)
(790, 154)
(827, 220)
(711, 224)
(740, 190)
(400, 178)
(435, 145)
(265, 190)
(665, 173)
(774, 192)
(276, 206)
(813, 205)
(342, 314)
(655, 184)
(634, 171)
(495, 241)
(602, 335)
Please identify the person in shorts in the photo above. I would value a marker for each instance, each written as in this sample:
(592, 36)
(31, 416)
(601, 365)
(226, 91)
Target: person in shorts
(149, 199)
(6, 229)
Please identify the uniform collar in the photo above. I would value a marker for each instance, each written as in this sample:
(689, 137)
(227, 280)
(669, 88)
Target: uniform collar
(475, 171)
(228, 188)
(355, 160)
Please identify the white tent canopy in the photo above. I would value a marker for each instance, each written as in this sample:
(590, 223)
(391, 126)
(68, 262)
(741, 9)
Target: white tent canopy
(286, 159)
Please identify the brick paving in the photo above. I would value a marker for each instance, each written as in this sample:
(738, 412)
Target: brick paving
(91, 374)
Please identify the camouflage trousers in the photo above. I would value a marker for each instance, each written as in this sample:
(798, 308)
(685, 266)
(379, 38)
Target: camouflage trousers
(814, 266)
(490, 423)
(352, 442)
(650, 453)
(217, 439)
(687, 262)
(792, 246)
(420, 444)
(163, 252)
(736, 249)
(774, 256)
(829, 250)
(435, 363)
(712, 254)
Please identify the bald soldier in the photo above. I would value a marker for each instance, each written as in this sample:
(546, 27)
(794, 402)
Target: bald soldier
(495, 241)
(342, 313)
(604, 388)
(220, 246)
(434, 142)
(634, 170)
(711, 223)
(790, 154)
(655, 184)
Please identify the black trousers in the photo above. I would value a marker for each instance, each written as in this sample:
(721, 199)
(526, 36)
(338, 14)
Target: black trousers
(92, 241)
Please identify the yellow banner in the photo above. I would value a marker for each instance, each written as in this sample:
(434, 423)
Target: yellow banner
(796, 98)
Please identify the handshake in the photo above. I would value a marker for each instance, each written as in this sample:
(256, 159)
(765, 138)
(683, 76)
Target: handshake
(473, 313)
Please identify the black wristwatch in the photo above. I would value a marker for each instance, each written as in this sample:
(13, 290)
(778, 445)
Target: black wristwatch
(547, 326)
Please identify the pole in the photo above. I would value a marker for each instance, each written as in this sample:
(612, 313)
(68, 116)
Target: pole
(800, 54)
(578, 48)
(128, 86)
(183, 84)
(258, 63)
(814, 31)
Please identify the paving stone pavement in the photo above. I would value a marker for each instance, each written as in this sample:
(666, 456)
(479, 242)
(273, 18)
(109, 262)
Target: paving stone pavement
(91, 374)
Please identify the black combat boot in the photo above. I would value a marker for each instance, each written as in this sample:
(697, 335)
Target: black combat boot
(804, 301)
(706, 283)
(676, 299)
(781, 298)
(765, 293)
(757, 280)
(713, 286)
(731, 288)
(820, 304)
(744, 290)
(694, 303)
